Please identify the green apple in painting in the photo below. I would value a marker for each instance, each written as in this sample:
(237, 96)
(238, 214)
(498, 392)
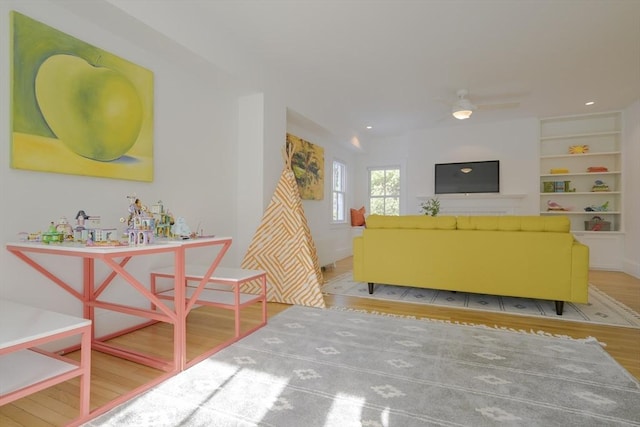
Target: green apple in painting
(95, 111)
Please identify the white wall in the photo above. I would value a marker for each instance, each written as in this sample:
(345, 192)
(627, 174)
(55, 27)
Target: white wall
(514, 143)
(631, 185)
(196, 119)
(333, 241)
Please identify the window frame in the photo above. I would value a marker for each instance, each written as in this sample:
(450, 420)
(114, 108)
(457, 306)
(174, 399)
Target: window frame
(399, 196)
(335, 209)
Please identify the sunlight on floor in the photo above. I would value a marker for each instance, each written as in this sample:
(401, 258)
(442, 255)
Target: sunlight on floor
(250, 392)
(346, 410)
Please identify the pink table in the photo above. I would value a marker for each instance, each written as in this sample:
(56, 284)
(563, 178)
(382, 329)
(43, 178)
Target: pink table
(116, 259)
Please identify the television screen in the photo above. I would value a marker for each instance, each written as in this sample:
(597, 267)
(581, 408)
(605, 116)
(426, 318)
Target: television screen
(469, 177)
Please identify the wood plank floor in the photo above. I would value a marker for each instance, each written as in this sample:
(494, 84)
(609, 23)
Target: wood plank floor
(112, 377)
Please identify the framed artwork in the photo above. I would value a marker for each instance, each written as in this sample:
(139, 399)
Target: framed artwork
(77, 109)
(308, 167)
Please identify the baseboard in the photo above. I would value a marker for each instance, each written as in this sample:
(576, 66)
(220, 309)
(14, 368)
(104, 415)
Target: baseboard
(632, 268)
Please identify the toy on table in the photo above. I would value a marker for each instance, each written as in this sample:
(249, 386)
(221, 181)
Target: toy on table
(65, 228)
(52, 235)
(181, 229)
(163, 220)
(140, 223)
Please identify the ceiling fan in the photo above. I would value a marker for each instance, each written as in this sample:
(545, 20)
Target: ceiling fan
(462, 107)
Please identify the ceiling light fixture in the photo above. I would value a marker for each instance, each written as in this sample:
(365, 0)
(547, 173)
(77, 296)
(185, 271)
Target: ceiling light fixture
(462, 114)
(369, 127)
(466, 170)
(462, 108)
(589, 103)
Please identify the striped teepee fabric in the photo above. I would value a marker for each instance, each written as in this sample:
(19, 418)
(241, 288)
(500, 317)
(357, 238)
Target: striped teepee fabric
(283, 247)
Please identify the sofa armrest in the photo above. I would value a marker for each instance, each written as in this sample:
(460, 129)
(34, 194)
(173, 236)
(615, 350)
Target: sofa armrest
(580, 272)
(358, 258)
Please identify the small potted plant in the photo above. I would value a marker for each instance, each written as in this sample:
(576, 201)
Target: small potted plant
(431, 207)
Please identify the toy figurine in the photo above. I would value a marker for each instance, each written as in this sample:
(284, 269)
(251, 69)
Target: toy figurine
(553, 206)
(52, 235)
(140, 224)
(602, 208)
(180, 228)
(599, 186)
(64, 228)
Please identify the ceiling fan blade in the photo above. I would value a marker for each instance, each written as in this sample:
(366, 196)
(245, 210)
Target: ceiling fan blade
(501, 106)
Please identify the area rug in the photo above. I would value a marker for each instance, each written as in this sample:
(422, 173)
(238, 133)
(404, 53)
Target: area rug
(601, 309)
(329, 367)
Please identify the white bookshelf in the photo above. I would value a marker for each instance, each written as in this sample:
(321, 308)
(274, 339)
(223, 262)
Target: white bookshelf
(602, 134)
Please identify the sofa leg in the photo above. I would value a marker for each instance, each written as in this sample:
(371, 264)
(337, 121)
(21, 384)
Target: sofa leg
(559, 307)
(370, 288)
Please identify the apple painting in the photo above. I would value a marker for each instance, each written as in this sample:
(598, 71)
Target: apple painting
(93, 110)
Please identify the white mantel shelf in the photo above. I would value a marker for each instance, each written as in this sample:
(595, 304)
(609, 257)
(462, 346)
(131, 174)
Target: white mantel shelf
(468, 196)
(477, 203)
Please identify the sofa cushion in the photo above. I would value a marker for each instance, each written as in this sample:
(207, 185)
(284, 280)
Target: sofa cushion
(424, 222)
(560, 224)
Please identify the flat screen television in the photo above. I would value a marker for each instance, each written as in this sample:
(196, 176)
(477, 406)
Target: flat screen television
(468, 177)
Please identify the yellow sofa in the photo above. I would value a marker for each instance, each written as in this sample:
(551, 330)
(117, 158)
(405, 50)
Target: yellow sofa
(520, 256)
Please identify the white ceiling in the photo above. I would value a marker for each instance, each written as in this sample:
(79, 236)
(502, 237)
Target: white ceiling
(346, 64)
(389, 63)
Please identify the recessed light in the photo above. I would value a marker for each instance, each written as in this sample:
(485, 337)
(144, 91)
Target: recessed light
(369, 127)
(589, 103)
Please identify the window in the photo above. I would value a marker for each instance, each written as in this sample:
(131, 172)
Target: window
(338, 192)
(384, 191)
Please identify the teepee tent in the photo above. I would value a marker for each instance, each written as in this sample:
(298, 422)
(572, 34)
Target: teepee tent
(283, 247)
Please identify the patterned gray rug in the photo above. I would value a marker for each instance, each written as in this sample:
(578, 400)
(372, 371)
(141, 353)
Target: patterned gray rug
(326, 367)
(602, 309)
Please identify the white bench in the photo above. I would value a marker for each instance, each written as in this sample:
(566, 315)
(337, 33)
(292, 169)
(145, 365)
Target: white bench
(221, 290)
(27, 369)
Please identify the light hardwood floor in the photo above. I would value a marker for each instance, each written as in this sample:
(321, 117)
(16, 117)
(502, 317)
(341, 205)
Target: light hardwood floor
(112, 377)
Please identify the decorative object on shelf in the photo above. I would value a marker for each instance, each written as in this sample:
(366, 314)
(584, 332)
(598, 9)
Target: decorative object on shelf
(597, 224)
(602, 208)
(558, 187)
(592, 169)
(599, 185)
(553, 206)
(431, 207)
(578, 149)
(548, 187)
(559, 170)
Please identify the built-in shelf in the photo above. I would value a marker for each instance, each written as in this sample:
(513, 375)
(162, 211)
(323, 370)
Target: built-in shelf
(580, 193)
(554, 175)
(573, 156)
(600, 136)
(579, 135)
(589, 213)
